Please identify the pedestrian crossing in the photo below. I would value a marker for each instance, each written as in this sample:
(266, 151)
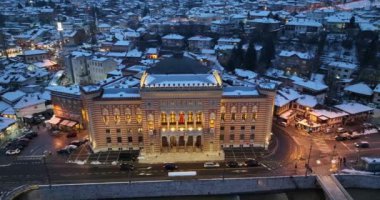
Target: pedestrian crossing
(321, 145)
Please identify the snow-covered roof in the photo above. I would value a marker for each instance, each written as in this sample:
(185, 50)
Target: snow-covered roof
(110, 93)
(200, 38)
(377, 88)
(134, 53)
(180, 80)
(34, 52)
(343, 65)
(311, 85)
(259, 13)
(6, 122)
(304, 22)
(353, 108)
(359, 88)
(264, 20)
(29, 100)
(229, 40)
(327, 113)
(285, 96)
(306, 56)
(371, 160)
(73, 90)
(4, 106)
(122, 43)
(307, 101)
(245, 73)
(173, 37)
(239, 91)
(13, 96)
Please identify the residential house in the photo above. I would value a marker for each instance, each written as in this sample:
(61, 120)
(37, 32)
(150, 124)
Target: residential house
(173, 41)
(197, 43)
(357, 112)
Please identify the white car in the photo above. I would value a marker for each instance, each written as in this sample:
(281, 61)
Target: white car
(211, 165)
(13, 151)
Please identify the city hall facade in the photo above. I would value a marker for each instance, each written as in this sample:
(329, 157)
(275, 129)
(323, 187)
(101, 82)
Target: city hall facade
(179, 107)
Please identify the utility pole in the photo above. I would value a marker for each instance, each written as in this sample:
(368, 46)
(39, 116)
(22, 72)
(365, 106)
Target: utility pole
(47, 172)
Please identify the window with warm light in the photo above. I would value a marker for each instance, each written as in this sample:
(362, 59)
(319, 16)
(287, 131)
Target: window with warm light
(199, 118)
(105, 115)
(150, 122)
(212, 120)
(222, 113)
(116, 113)
(190, 117)
(128, 115)
(244, 113)
(233, 113)
(164, 120)
(181, 120)
(138, 115)
(172, 118)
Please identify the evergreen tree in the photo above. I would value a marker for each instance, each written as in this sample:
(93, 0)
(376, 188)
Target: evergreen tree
(352, 22)
(2, 20)
(250, 58)
(268, 51)
(145, 11)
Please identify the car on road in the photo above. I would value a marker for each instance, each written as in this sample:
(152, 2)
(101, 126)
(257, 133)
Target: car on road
(251, 163)
(340, 138)
(211, 164)
(30, 134)
(362, 144)
(170, 166)
(76, 143)
(127, 167)
(63, 151)
(232, 164)
(13, 151)
(284, 124)
(71, 134)
(354, 135)
(341, 130)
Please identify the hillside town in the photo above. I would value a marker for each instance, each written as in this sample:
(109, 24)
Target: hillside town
(209, 79)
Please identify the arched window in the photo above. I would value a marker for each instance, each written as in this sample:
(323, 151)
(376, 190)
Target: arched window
(244, 113)
(222, 113)
(105, 115)
(116, 114)
(254, 112)
(150, 122)
(172, 118)
(181, 118)
(212, 120)
(138, 115)
(233, 113)
(190, 117)
(199, 118)
(164, 120)
(128, 114)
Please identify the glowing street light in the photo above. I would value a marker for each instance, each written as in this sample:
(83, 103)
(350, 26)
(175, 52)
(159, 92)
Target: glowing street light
(59, 26)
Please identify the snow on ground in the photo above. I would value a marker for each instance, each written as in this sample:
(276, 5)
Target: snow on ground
(356, 172)
(358, 4)
(370, 131)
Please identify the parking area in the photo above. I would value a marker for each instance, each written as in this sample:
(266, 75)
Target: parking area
(240, 153)
(83, 155)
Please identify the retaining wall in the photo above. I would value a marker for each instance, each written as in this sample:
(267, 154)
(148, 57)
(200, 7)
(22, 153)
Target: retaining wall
(171, 188)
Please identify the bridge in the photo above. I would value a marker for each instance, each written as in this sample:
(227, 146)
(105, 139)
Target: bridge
(332, 188)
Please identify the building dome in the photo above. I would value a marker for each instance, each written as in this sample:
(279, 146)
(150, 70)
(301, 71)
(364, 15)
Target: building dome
(179, 64)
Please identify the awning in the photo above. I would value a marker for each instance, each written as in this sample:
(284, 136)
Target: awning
(64, 122)
(71, 124)
(54, 120)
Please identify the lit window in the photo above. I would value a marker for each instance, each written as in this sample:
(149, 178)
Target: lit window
(199, 118)
(233, 113)
(164, 119)
(138, 115)
(128, 115)
(212, 120)
(105, 115)
(190, 117)
(116, 113)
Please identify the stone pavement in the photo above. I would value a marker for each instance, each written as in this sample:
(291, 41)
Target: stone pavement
(332, 188)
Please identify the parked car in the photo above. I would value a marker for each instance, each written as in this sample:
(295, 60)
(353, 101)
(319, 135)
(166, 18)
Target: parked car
(31, 134)
(127, 167)
(354, 135)
(170, 166)
(63, 151)
(340, 138)
(345, 134)
(341, 130)
(71, 134)
(232, 164)
(13, 151)
(76, 143)
(251, 163)
(211, 165)
(362, 144)
(284, 124)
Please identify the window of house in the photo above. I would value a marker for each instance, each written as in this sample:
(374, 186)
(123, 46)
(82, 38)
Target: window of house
(138, 115)
(108, 139)
(241, 136)
(233, 113)
(221, 137)
(190, 117)
(164, 119)
(119, 140)
(128, 114)
(130, 139)
(212, 120)
(232, 136)
(140, 139)
(105, 115)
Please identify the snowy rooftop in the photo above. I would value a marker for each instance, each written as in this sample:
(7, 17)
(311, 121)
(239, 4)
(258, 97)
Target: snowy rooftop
(122, 43)
(286, 95)
(359, 88)
(327, 113)
(29, 100)
(311, 85)
(240, 91)
(353, 108)
(74, 89)
(229, 40)
(344, 65)
(307, 101)
(180, 80)
(371, 160)
(110, 93)
(200, 38)
(306, 56)
(13, 96)
(264, 20)
(377, 89)
(304, 22)
(245, 73)
(5, 123)
(34, 52)
(173, 37)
